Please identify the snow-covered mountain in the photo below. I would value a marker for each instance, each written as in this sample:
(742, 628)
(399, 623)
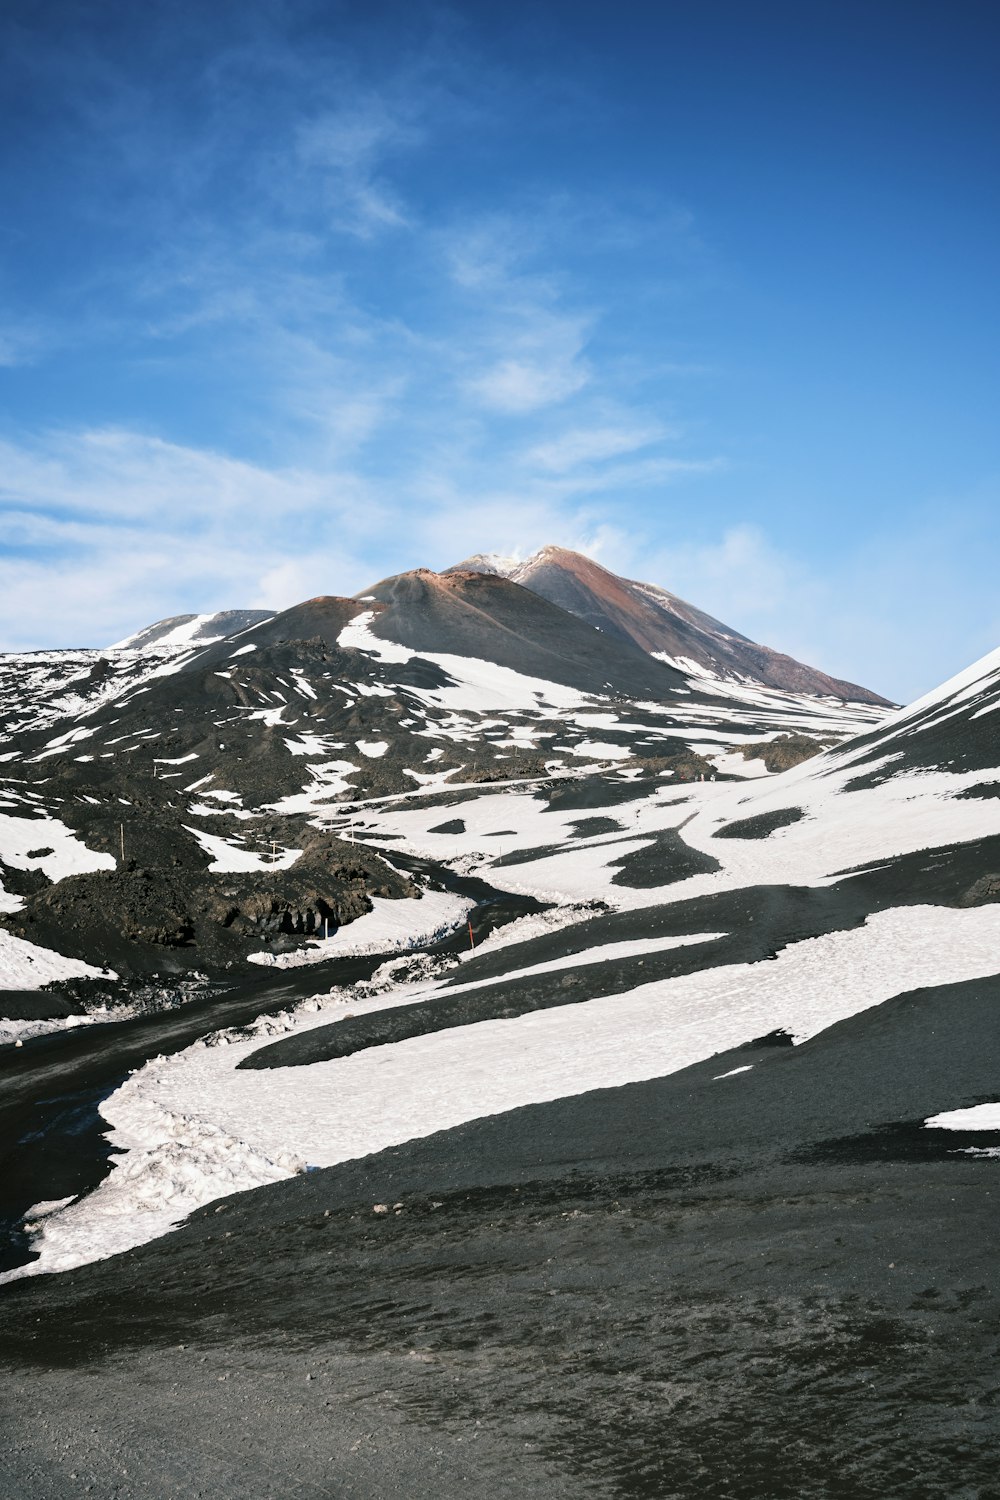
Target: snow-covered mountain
(866, 871)
(173, 766)
(661, 623)
(590, 1066)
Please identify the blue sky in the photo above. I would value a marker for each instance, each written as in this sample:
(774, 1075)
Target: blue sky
(294, 295)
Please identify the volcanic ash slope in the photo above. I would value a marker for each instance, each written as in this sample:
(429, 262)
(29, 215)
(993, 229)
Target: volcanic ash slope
(730, 912)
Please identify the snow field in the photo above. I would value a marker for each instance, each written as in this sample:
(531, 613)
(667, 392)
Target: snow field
(326, 782)
(192, 1128)
(600, 953)
(733, 764)
(839, 831)
(536, 924)
(499, 822)
(185, 633)
(13, 1033)
(478, 685)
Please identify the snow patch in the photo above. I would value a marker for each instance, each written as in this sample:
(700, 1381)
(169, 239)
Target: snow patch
(391, 924)
(229, 857)
(976, 1117)
(67, 854)
(25, 966)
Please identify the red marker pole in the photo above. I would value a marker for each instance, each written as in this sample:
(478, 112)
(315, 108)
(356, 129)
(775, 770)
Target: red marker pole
(472, 941)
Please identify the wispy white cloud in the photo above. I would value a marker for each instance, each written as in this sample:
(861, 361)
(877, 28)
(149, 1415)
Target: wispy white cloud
(742, 572)
(527, 384)
(525, 333)
(112, 473)
(590, 445)
(345, 150)
(101, 530)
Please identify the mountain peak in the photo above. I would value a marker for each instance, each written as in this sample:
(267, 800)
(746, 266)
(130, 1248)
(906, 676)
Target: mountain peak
(661, 623)
(487, 562)
(516, 568)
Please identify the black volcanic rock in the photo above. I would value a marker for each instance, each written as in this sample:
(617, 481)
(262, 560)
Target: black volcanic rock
(784, 752)
(137, 917)
(659, 621)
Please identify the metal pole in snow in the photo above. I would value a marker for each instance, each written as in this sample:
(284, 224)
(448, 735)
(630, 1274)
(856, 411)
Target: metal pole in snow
(472, 941)
(122, 828)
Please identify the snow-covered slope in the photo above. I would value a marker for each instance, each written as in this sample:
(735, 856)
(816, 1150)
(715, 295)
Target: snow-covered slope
(687, 921)
(193, 630)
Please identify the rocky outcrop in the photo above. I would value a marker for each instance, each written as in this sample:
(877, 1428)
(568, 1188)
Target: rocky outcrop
(132, 917)
(785, 751)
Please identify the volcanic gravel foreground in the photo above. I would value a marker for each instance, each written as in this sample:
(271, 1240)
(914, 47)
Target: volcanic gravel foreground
(635, 1134)
(663, 1290)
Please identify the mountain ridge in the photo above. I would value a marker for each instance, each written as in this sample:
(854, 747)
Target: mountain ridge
(642, 615)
